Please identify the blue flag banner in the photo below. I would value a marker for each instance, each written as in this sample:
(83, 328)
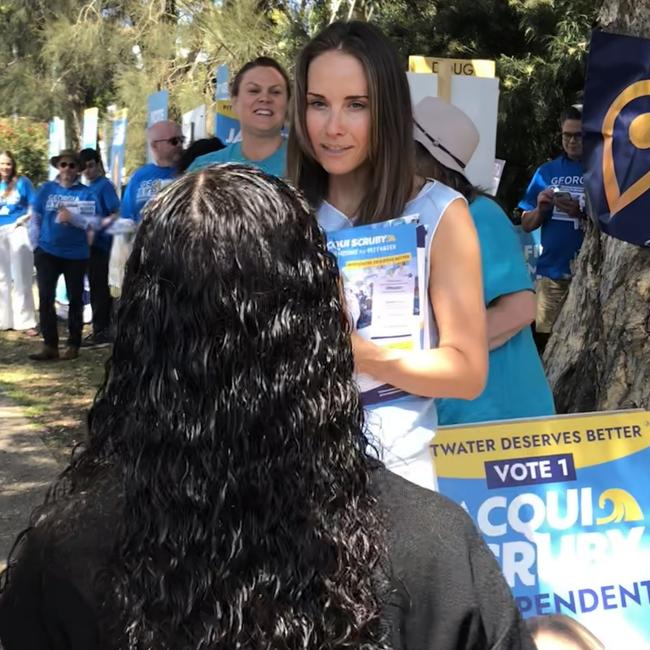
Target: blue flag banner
(157, 104)
(616, 125)
(564, 504)
(226, 124)
(118, 149)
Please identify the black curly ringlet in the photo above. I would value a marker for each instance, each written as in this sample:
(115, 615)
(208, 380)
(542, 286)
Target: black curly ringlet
(230, 412)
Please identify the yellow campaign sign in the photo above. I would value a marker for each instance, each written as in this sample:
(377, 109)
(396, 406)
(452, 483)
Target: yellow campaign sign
(224, 107)
(592, 439)
(463, 67)
(379, 261)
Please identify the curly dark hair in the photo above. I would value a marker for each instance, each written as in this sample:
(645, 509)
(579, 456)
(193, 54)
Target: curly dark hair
(230, 414)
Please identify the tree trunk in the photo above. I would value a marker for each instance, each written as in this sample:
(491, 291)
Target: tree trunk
(598, 358)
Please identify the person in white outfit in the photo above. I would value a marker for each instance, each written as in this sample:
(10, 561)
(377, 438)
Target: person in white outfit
(16, 259)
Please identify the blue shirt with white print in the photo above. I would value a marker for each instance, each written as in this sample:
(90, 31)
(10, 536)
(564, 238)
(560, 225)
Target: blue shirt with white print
(108, 203)
(61, 239)
(145, 183)
(561, 235)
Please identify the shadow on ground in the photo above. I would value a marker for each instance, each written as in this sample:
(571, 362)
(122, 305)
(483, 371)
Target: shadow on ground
(55, 395)
(27, 468)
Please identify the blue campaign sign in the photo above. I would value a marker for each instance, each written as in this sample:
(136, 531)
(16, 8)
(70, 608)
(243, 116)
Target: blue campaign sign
(226, 124)
(563, 502)
(118, 148)
(157, 107)
(616, 125)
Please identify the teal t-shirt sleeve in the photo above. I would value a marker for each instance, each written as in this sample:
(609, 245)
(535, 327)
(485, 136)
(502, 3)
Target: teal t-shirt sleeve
(536, 185)
(502, 260)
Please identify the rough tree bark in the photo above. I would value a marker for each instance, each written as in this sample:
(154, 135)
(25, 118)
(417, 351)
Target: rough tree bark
(598, 357)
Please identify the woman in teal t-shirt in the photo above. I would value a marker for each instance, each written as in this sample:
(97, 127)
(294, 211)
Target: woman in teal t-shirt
(517, 387)
(260, 95)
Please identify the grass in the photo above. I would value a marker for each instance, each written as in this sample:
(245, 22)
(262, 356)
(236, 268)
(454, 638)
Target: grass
(55, 395)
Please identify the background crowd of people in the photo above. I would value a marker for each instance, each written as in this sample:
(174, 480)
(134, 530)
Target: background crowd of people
(234, 492)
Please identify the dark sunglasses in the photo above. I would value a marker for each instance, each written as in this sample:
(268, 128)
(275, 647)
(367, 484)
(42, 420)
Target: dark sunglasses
(175, 141)
(440, 146)
(71, 165)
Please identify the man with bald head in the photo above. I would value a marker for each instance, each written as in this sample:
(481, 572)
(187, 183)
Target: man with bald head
(166, 141)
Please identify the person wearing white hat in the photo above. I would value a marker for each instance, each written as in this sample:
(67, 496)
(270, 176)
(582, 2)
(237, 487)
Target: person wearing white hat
(446, 139)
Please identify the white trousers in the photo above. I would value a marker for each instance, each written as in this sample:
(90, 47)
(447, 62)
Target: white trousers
(16, 278)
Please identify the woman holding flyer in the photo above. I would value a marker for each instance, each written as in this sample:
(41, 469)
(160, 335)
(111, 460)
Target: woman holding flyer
(58, 232)
(351, 151)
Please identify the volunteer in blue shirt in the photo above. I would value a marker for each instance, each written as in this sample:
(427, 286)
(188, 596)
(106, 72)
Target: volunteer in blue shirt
(108, 205)
(554, 202)
(166, 141)
(16, 260)
(60, 238)
(446, 139)
(260, 95)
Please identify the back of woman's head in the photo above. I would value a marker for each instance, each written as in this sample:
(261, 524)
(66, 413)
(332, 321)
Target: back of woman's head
(391, 154)
(230, 411)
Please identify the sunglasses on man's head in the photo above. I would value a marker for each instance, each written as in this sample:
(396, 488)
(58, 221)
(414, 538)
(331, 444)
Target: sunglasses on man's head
(175, 141)
(71, 165)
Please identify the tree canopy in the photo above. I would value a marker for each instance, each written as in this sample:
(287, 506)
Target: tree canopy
(66, 55)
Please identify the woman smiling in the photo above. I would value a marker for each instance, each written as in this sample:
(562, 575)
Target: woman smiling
(260, 93)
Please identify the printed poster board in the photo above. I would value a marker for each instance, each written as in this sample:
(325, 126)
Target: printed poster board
(564, 504)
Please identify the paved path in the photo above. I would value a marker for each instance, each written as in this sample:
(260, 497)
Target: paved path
(26, 469)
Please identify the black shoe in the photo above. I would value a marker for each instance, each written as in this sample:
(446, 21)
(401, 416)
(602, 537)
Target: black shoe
(71, 352)
(100, 340)
(46, 353)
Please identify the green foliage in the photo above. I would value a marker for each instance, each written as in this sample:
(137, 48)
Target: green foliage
(27, 141)
(66, 55)
(540, 48)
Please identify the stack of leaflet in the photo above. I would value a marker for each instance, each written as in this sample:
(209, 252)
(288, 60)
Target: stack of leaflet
(383, 270)
(122, 227)
(83, 214)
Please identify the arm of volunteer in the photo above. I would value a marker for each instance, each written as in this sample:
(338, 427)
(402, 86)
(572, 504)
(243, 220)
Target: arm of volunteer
(508, 315)
(34, 228)
(458, 366)
(74, 219)
(533, 219)
(532, 216)
(112, 204)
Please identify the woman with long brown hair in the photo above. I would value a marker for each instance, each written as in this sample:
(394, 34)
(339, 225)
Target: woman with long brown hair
(351, 151)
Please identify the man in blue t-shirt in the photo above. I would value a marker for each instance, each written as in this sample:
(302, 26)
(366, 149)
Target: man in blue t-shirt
(166, 142)
(62, 212)
(554, 202)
